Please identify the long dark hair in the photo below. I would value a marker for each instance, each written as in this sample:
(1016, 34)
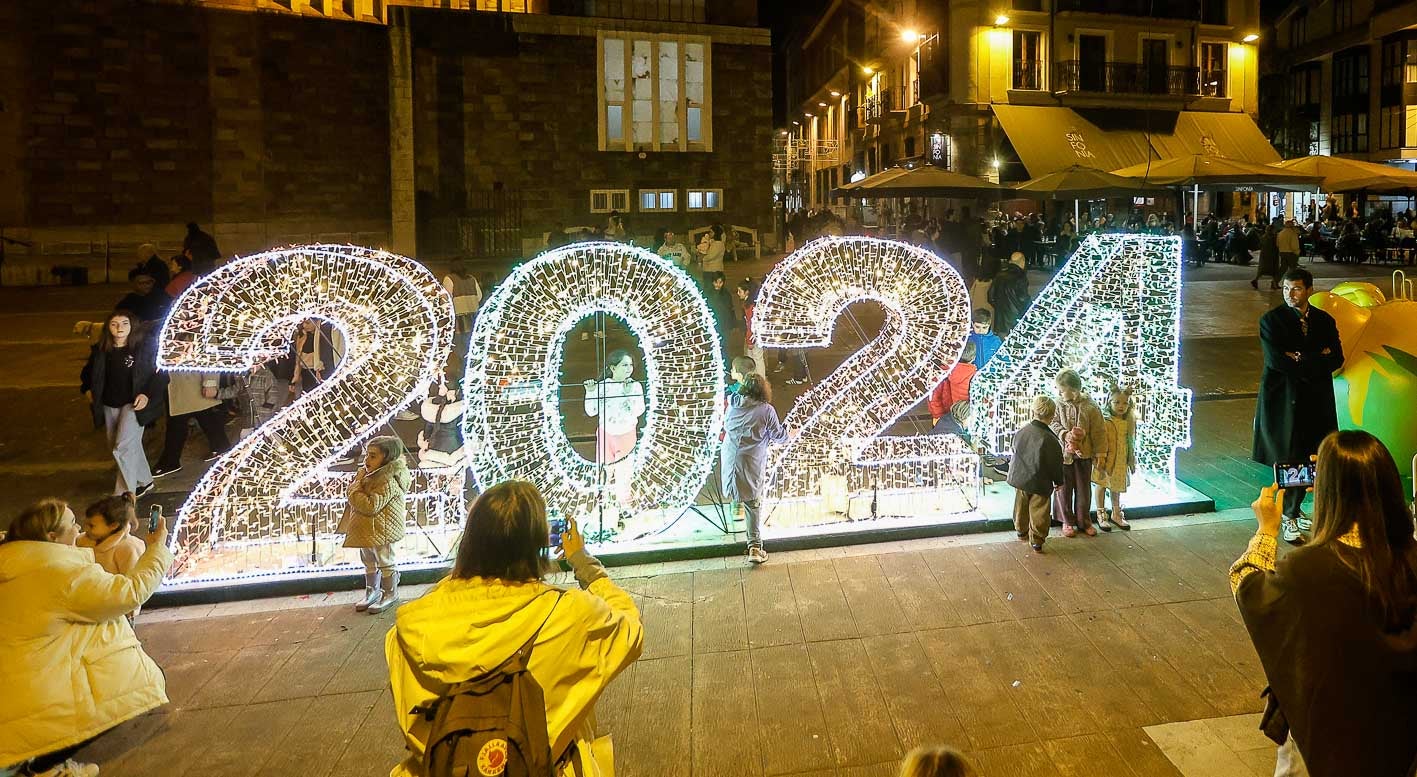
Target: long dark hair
(756, 387)
(506, 535)
(1358, 487)
(135, 331)
(749, 287)
(616, 356)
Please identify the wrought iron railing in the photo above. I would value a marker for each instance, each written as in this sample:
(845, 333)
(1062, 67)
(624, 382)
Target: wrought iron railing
(1213, 82)
(1028, 74)
(1126, 78)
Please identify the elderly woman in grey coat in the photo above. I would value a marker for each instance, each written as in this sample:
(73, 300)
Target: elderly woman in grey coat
(750, 426)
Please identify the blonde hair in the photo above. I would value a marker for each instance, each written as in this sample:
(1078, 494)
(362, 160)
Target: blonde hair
(38, 521)
(936, 761)
(1044, 408)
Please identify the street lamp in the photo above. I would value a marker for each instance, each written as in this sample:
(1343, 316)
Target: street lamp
(909, 36)
(1001, 20)
(1251, 38)
(835, 93)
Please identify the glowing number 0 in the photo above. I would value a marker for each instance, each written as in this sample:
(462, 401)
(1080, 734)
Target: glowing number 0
(272, 487)
(513, 419)
(842, 418)
(1113, 313)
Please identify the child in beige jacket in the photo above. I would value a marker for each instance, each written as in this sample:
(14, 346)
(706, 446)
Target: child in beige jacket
(108, 527)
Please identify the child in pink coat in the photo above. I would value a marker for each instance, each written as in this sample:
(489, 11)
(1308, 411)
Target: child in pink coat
(108, 526)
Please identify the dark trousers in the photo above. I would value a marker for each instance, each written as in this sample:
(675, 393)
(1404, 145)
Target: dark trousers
(213, 423)
(1073, 502)
(1293, 500)
(799, 361)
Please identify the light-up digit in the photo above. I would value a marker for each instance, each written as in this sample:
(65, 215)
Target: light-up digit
(1113, 313)
(513, 419)
(254, 510)
(840, 420)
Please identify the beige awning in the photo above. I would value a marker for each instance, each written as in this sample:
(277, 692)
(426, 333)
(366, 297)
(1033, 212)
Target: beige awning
(1050, 138)
(1230, 135)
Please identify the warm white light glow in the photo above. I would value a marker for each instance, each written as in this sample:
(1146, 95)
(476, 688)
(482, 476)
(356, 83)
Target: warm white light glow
(1001, 20)
(1251, 38)
(868, 70)
(859, 175)
(1113, 313)
(909, 36)
(835, 93)
(513, 419)
(252, 513)
(841, 419)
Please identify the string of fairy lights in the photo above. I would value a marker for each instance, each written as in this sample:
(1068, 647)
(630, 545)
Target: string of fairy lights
(275, 487)
(1113, 313)
(841, 419)
(513, 423)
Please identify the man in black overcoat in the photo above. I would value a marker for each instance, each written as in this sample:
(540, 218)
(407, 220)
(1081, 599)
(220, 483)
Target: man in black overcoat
(1296, 407)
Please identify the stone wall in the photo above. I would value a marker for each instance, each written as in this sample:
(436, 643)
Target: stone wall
(137, 118)
(528, 125)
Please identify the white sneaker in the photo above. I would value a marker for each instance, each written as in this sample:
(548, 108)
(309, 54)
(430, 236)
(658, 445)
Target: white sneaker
(1306, 524)
(71, 768)
(1289, 531)
(757, 555)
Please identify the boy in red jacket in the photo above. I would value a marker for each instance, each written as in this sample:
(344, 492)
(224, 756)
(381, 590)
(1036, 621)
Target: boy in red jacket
(955, 387)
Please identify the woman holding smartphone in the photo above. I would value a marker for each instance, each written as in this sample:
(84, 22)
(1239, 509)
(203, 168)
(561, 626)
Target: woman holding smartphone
(1335, 622)
(70, 664)
(496, 601)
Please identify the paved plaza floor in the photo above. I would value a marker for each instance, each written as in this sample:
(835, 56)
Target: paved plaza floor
(1080, 661)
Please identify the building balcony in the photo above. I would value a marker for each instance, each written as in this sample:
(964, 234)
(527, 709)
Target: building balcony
(875, 108)
(1191, 10)
(1129, 78)
(1028, 75)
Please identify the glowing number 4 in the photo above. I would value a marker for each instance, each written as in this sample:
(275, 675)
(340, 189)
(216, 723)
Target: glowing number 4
(1113, 313)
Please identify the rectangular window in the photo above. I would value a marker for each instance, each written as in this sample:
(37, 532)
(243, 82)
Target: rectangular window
(1394, 63)
(1342, 14)
(606, 200)
(1028, 59)
(1299, 27)
(654, 92)
(1394, 123)
(704, 199)
(657, 199)
(1215, 58)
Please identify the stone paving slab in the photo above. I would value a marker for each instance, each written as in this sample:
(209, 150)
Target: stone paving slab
(823, 662)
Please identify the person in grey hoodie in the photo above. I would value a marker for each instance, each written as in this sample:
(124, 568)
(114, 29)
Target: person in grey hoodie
(749, 428)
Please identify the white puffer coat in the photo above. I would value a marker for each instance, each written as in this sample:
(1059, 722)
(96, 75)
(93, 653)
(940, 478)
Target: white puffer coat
(70, 665)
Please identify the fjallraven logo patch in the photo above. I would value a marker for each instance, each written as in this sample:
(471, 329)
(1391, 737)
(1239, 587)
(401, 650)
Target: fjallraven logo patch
(492, 758)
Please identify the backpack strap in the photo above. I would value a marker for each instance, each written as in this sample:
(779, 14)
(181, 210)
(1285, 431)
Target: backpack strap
(524, 652)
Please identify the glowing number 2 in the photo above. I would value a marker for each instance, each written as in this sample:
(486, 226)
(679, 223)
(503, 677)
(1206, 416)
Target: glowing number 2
(1113, 313)
(272, 487)
(841, 419)
(513, 419)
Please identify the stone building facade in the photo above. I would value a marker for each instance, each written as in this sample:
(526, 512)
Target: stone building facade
(433, 132)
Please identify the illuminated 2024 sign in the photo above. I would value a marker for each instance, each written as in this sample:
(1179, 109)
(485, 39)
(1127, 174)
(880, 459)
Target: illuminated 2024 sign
(271, 504)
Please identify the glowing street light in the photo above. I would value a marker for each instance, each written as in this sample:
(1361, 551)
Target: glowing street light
(835, 93)
(1001, 20)
(909, 36)
(867, 70)
(1251, 38)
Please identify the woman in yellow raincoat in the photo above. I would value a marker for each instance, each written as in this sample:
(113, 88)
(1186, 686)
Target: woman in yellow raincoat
(491, 604)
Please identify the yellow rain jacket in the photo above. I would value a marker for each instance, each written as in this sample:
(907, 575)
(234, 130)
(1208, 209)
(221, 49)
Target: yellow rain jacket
(70, 665)
(463, 628)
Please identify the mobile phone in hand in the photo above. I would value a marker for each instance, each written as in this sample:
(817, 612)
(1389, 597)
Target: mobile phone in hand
(154, 516)
(1295, 474)
(558, 528)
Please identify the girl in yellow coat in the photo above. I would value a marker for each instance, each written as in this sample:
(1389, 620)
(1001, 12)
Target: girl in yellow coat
(70, 666)
(374, 520)
(491, 604)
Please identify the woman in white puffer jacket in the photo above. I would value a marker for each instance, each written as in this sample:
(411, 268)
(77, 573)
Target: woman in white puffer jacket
(70, 664)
